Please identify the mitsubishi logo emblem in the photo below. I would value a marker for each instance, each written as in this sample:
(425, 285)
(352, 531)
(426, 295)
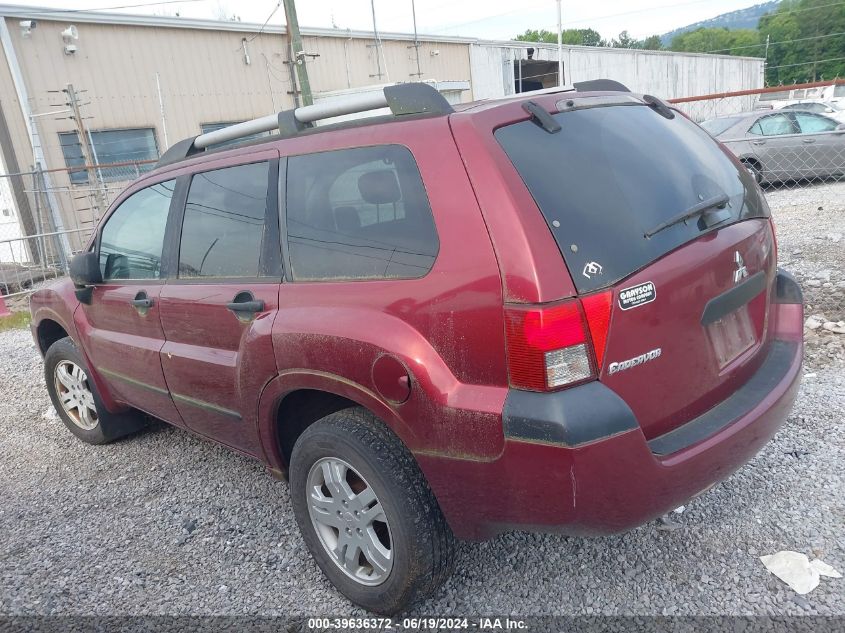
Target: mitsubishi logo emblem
(741, 271)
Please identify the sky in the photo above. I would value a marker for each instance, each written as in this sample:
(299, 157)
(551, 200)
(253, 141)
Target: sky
(486, 19)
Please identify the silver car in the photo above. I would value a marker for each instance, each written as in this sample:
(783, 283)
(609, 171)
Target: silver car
(783, 145)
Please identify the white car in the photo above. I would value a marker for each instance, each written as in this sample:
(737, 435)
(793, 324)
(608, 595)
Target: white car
(829, 109)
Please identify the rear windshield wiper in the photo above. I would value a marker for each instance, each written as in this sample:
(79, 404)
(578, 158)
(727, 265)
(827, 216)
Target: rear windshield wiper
(716, 202)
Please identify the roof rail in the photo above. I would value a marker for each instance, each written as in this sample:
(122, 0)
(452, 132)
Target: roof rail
(402, 99)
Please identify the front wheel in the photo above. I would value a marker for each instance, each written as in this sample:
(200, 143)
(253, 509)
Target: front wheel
(77, 401)
(367, 514)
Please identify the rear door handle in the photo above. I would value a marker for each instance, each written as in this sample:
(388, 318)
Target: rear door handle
(758, 142)
(808, 140)
(245, 304)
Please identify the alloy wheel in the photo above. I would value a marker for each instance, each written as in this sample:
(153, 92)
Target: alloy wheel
(75, 395)
(349, 521)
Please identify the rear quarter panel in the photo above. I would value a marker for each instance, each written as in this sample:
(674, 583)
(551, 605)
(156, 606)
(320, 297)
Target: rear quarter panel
(446, 328)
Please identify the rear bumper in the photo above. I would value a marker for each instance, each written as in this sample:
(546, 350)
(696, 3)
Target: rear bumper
(581, 464)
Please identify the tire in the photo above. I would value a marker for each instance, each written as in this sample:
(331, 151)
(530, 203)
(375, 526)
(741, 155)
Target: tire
(66, 375)
(420, 543)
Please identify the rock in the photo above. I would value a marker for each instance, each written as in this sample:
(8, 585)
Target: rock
(813, 283)
(813, 322)
(837, 327)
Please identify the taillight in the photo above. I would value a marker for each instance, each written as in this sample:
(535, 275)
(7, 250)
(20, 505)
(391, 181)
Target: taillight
(556, 346)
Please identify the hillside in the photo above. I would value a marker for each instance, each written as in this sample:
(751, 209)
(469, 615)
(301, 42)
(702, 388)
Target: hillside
(742, 19)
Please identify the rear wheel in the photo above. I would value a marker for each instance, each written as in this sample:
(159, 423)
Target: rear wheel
(77, 401)
(367, 514)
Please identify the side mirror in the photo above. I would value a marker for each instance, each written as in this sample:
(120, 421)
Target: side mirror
(85, 273)
(840, 127)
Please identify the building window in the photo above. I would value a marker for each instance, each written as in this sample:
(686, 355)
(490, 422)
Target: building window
(111, 146)
(213, 127)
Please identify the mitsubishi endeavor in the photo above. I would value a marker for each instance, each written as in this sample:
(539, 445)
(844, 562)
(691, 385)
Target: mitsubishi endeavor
(559, 311)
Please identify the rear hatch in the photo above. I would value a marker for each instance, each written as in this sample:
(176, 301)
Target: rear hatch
(690, 297)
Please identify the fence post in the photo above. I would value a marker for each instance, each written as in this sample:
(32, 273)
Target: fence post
(62, 243)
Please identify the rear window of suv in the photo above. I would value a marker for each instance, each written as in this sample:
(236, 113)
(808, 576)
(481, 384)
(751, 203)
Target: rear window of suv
(612, 173)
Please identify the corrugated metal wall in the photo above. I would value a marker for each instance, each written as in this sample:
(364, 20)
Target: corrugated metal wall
(664, 74)
(202, 74)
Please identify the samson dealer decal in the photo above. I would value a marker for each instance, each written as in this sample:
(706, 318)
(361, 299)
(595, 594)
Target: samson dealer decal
(637, 295)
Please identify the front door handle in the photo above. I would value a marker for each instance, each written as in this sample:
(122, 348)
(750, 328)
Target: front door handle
(758, 142)
(142, 303)
(245, 305)
(808, 140)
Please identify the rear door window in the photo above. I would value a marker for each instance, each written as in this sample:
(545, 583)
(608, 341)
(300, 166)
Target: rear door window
(358, 214)
(223, 229)
(813, 124)
(613, 173)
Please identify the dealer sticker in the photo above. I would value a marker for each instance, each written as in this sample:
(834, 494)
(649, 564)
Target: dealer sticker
(637, 295)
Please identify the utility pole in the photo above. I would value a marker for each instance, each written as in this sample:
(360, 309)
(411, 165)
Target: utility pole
(87, 148)
(416, 45)
(377, 45)
(559, 46)
(297, 54)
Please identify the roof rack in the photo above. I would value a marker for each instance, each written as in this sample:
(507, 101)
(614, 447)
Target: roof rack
(402, 99)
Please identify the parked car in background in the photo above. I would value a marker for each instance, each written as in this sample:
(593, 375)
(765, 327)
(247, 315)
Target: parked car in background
(831, 109)
(774, 99)
(783, 144)
(555, 312)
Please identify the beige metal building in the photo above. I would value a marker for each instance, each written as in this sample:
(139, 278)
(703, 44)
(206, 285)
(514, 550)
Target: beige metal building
(145, 82)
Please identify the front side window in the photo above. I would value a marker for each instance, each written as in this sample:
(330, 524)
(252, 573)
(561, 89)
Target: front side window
(359, 214)
(111, 146)
(813, 124)
(223, 229)
(132, 239)
(774, 125)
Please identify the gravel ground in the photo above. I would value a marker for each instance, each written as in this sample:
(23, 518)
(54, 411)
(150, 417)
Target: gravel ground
(164, 523)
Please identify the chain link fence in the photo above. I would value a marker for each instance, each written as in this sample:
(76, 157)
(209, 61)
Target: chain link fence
(788, 136)
(44, 223)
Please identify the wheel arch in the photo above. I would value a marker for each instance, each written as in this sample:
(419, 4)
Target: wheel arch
(294, 400)
(48, 331)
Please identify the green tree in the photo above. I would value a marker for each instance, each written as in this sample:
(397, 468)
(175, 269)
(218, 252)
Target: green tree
(652, 43)
(719, 40)
(579, 37)
(800, 35)
(624, 40)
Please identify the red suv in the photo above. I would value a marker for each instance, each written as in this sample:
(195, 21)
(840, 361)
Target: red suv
(555, 312)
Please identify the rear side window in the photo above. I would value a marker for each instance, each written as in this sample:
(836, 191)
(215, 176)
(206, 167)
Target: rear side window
(223, 229)
(132, 239)
(613, 173)
(813, 124)
(358, 214)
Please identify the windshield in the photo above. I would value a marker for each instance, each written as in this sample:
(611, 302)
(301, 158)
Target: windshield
(613, 173)
(719, 126)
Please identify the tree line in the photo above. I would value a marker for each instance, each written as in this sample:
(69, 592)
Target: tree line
(803, 40)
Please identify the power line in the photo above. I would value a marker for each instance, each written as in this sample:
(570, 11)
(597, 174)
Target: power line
(263, 26)
(37, 10)
(800, 39)
(815, 61)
